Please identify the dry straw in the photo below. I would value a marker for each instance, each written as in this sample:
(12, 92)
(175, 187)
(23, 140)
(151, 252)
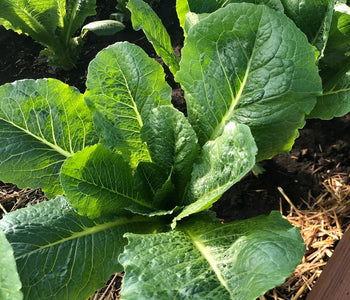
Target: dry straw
(322, 224)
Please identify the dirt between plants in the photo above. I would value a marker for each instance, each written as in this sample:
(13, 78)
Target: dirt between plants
(321, 152)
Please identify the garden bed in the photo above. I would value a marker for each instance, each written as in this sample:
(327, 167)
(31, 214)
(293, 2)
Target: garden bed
(311, 185)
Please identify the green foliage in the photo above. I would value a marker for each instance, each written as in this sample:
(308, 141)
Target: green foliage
(334, 67)
(53, 23)
(42, 123)
(209, 260)
(229, 69)
(154, 31)
(63, 255)
(10, 284)
(324, 22)
(249, 77)
(313, 17)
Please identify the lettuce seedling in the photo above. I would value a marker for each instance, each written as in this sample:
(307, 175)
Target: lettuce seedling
(132, 178)
(53, 23)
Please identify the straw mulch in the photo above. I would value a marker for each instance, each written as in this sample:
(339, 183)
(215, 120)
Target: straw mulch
(322, 224)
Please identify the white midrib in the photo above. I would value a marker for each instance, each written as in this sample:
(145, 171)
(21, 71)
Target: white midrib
(209, 258)
(220, 128)
(77, 235)
(135, 108)
(46, 142)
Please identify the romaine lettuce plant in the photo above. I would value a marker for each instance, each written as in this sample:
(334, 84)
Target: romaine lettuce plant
(324, 22)
(132, 178)
(53, 23)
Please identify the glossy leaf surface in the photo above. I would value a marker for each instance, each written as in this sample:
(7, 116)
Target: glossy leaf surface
(203, 259)
(173, 147)
(10, 284)
(98, 183)
(253, 66)
(155, 32)
(123, 85)
(222, 163)
(313, 17)
(62, 255)
(42, 123)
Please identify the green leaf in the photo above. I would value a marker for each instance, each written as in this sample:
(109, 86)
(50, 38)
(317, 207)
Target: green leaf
(200, 8)
(143, 17)
(313, 17)
(173, 147)
(42, 123)
(98, 183)
(123, 85)
(35, 18)
(223, 162)
(334, 67)
(62, 255)
(193, 19)
(209, 6)
(76, 11)
(105, 27)
(336, 61)
(335, 102)
(255, 67)
(182, 8)
(10, 284)
(203, 259)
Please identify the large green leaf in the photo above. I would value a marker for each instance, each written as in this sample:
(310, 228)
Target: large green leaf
(42, 123)
(334, 102)
(313, 17)
(143, 17)
(223, 162)
(10, 284)
(208, 6)
(334, 67)
(173, 147)
(203, 259)
(35, 18)
(250, 64)
(62, 255)
(98, 183)
(123, 85)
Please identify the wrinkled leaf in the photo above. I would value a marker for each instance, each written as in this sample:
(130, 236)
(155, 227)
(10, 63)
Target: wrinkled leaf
(143, 17)
(10, 284)
(335, 66)
(98, 183)
(223, 162)
(42, 123)
(313, 17)
(35, 18)
(335, 102)
(123, 85)
(62, 255)
(200, 7)
(254, 67)
(336, 62)
(173, 147)
(203, 259)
